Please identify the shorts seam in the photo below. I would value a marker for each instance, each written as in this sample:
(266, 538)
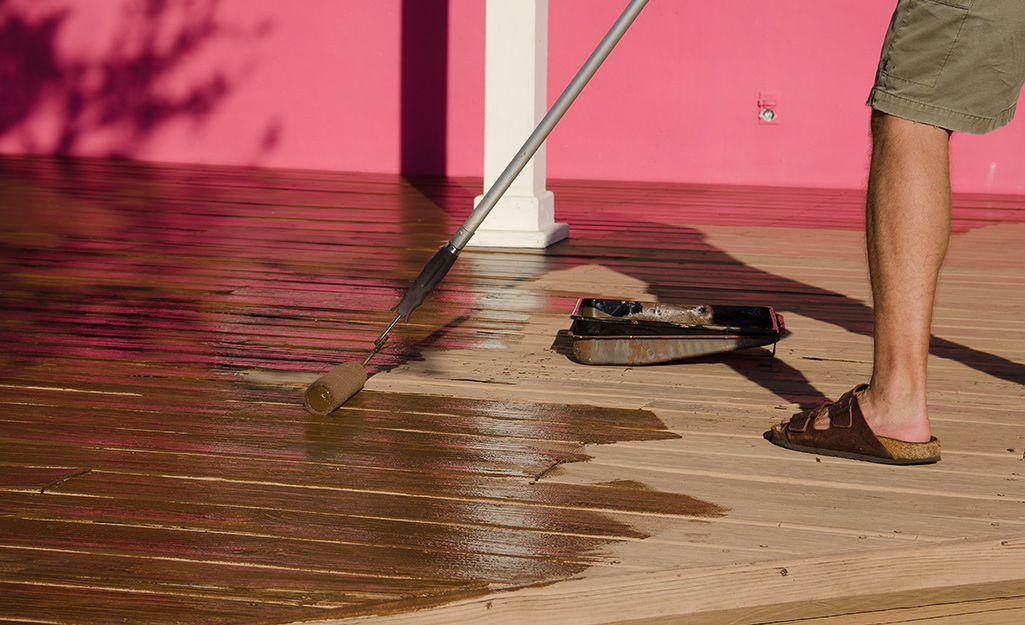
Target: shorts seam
(957, 36)
(929, 105)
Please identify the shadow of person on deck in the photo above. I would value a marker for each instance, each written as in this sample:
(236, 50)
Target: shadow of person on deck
(684, 268)
(679, 265)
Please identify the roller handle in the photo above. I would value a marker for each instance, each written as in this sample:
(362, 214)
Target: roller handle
(546, 125)
(429, 278)
(442, 261)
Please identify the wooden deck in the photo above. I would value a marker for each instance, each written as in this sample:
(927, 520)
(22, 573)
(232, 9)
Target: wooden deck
(159, 324)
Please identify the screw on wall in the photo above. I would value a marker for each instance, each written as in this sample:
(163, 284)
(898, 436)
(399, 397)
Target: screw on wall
(768, 105)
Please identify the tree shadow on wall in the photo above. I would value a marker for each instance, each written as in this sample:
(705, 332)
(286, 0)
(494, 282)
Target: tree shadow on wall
(134, 80)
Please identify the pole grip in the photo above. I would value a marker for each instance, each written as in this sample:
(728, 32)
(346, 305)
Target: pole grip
(429, 278)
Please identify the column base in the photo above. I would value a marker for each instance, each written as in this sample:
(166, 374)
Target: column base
(519, 238)
(520, 221)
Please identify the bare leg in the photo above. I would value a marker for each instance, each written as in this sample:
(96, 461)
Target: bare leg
(907, 228)
(907, 224)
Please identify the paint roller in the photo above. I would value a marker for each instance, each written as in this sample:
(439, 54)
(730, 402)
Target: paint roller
(335, 387)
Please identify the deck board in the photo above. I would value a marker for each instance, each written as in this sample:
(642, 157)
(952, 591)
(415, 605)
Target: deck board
(159, 323)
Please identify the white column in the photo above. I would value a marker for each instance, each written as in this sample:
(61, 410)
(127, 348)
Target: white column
(515, 75)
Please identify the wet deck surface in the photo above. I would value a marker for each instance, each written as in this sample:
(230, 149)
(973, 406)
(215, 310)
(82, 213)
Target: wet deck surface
(159, 324)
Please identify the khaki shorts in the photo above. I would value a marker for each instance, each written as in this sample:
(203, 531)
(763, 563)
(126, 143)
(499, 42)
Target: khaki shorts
(956, 64)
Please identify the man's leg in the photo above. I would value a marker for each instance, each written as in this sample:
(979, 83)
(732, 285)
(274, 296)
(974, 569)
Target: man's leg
(950, 66)
(907, 225)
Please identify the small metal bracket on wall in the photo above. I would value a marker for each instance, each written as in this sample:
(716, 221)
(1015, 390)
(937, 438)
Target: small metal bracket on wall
(768, 104)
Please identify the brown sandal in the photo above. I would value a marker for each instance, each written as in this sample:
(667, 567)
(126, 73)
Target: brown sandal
(849, 436)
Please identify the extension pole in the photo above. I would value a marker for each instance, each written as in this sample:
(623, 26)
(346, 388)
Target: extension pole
(438, 266)
(548, 122)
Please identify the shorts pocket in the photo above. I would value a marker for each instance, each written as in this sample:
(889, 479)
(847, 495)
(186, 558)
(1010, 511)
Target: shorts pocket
(921, 37)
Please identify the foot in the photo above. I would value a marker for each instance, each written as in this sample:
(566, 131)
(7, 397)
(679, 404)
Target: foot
(902, 419)
(841, 429)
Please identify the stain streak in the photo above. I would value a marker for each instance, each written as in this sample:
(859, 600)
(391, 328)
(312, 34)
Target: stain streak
(55, 483)
(539, 476)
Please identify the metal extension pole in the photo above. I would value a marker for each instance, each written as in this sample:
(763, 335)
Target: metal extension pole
(443, 260)
(548, 122)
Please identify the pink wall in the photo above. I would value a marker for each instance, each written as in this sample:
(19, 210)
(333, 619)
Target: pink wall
(394, 85)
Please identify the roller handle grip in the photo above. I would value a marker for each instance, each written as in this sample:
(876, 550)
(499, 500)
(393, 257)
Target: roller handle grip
(429, 278)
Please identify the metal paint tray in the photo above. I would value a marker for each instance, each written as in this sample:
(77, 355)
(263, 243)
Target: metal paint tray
(620, 332)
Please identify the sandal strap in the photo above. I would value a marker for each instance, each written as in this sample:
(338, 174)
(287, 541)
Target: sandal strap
(847, 432)
(800, 421)
(841, 413)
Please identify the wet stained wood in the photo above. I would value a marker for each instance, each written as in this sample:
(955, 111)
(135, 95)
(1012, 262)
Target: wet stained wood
(160, 322)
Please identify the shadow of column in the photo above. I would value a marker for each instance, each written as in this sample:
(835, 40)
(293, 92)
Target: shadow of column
(424, 86)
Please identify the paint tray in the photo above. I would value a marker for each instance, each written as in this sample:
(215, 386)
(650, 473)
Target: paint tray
(620, 332)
